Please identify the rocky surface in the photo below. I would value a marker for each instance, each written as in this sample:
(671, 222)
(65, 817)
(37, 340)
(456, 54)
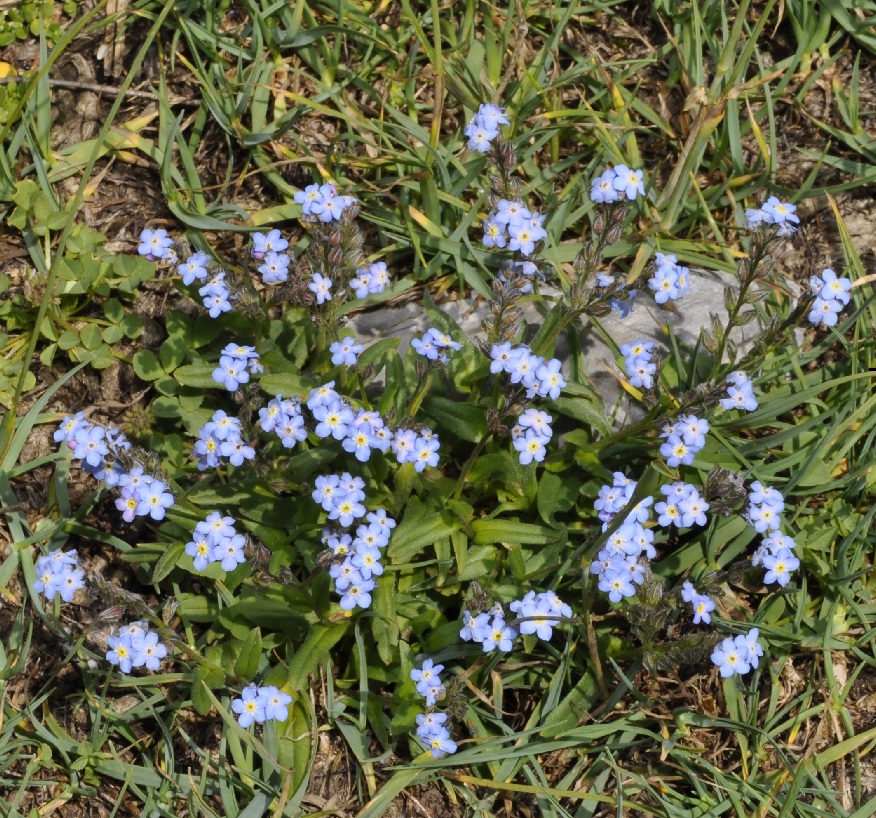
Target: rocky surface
(648, 320)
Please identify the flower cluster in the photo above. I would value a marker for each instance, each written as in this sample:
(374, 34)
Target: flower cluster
(216, 540)
(776, 554)
(370, 280)
(514, 225)
(135, 646)
(773, 212)
(701, 603)
(765, 507)
(341, 496)
(419, 448)
(258, 704)
(670, 281)
(683, 507)
(433, 343)
(434, 735)
(215, 295)
(683, 439)
(540, 377)
(611, 499)
(619, 565)
(236, 363)
(346, 352)
(831, 295)
(220, 440)
(740, 394)
(484, 127)
(531, 434)
(106, 454)
(540, 613)
(488, 629)
(156, 245)
(58, 573)
(429, 684)
(355, 574)
(360, 432)
(284, 416)
(323, 203)
(738, 655)
(614, 183)
(638, 365)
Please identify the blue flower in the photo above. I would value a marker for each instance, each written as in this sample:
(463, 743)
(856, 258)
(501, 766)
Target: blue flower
(155, 245)
(321, 286)
(628, 181)
(333, 420)
(345, 352)
(250, 707)
(531, 446)
(441, 744)
(229, 552)
(274, 268)
(602, 190)
(617, 583)
(273, 242)
(427, 676)
(155, 499)
(358, 595)
(121, 652)
(425, 453)
(731, 659)
(194, 268)
(276, 702)
(779, 567)
(499, 635)
(148, 651)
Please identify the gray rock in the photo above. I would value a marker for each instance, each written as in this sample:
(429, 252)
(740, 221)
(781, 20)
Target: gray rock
(648, 320)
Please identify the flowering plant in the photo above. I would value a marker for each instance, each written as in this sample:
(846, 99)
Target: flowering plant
(332, 492)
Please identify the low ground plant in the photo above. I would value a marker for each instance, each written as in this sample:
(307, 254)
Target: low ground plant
(448, 550)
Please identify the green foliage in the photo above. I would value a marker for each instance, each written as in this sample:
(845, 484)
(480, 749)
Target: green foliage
(588, 722)
(31, 18)
(86, 319)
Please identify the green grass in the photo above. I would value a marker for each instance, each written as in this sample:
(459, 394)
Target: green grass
(394, 98)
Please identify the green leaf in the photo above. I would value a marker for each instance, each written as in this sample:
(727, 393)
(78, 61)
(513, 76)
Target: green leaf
(112, 335)
(556, 493)
(377, 354)
(247, 663)
(384, 625)
(68, 340)
(132, 326)
(316, 648)
(510, 531)
(167, 562)
(577, 704)
(287, 384)
(585, 411)
(114, 311)
(90, 335)
(102, 357)
(146, 365)
(197, 375)
(467, 422)
(173, 352)
(415, 532)
(205, 678)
